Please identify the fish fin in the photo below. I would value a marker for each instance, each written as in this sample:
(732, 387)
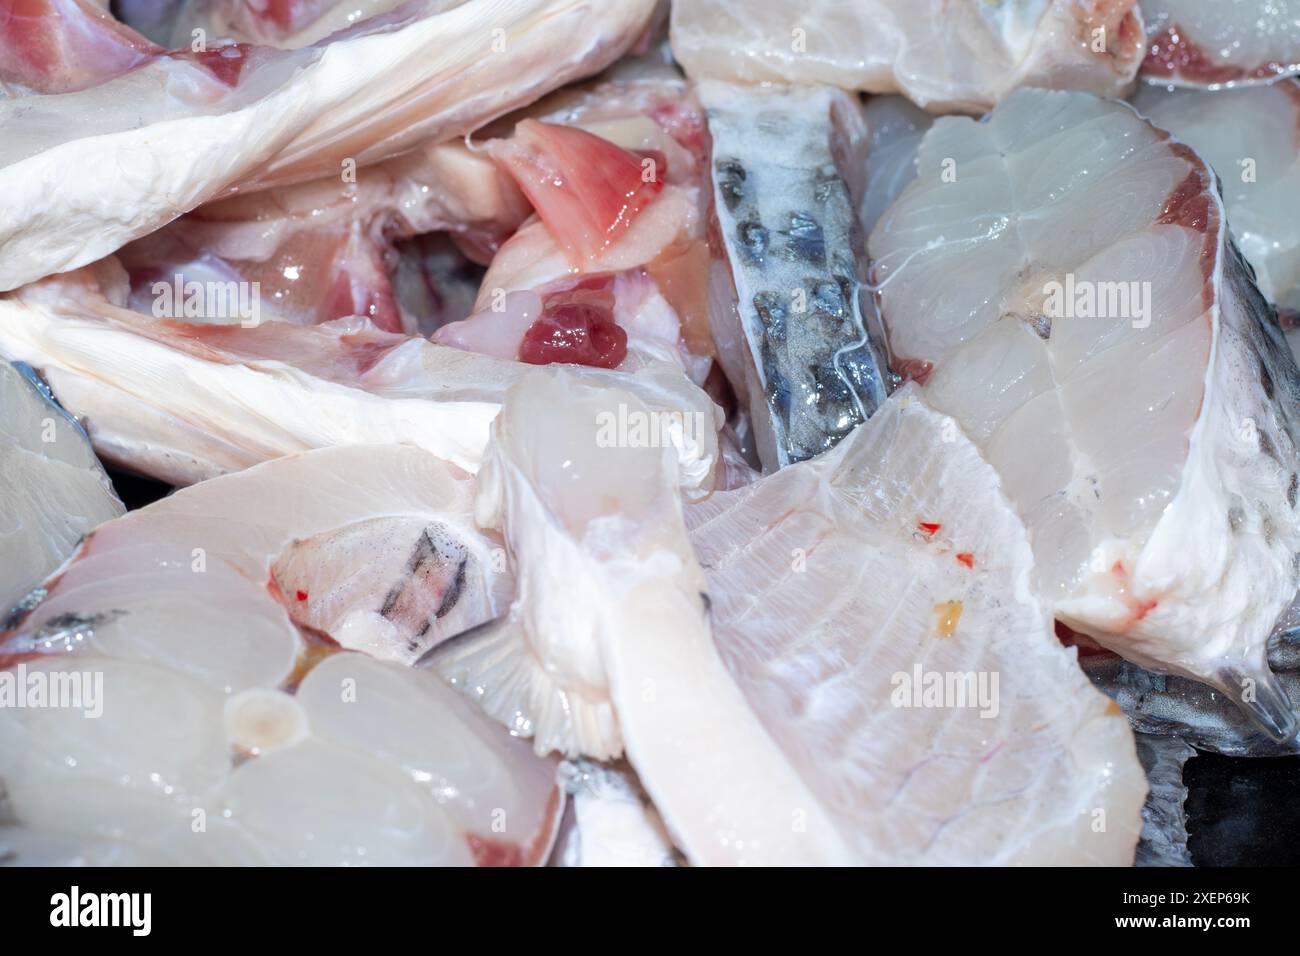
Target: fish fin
(494, 664)
(1262, 699)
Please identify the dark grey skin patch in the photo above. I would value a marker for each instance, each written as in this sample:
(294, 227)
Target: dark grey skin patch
(431, 585)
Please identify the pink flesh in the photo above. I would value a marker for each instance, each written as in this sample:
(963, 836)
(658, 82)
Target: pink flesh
(587, 190)
(57, 46)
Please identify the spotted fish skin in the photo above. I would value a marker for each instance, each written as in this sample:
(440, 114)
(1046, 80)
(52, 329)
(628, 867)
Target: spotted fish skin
(788, 247)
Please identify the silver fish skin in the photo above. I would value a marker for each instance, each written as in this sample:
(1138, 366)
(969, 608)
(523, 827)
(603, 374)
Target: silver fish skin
(785, 295)
(1164, 818)
(1165, 705)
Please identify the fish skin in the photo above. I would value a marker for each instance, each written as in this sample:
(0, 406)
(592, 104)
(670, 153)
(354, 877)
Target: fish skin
(786, 176)
(1167, 705)
(1164, 820)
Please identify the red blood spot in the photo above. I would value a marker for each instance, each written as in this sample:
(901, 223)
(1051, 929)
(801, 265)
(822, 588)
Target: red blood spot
(225, 63)
(301, 595)
(914, 370)
(576, 327)
(966, 558)
(929, 528)
(587, 191)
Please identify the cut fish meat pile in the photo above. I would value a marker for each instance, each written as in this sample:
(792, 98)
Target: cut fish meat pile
(229, 729)
(702, 680)
(1161, 495)
(83, 173)
(643, 433)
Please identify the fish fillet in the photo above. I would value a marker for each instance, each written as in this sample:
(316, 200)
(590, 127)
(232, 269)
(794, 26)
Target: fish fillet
(1062, 278)
(785, 306)
(232, 728)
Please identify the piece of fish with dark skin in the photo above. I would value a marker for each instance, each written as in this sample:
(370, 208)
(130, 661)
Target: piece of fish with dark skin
(785, 302)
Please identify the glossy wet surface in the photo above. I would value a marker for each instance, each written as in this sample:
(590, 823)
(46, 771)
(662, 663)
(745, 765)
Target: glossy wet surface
(1241, 811)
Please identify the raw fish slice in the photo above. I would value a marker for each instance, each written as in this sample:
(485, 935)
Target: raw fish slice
(785, 310)
(52, 489)
(83, 173)
(184, 402)
(227, 736)
(1210, 43)
(944, 55)
(1073, 298)
(608, 646)
(1251, 137)
(842, 587)
(609, 820)
(320, 250)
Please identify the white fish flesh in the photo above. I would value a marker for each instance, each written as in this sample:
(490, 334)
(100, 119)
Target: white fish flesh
(740, 743)
(183, 402)
(945, 56)
(1062, 277)
(786, 309)
(53, 491)
(85, 172)
(230, 725)
(1210, 43)
(1251, 137)
(843, 586)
